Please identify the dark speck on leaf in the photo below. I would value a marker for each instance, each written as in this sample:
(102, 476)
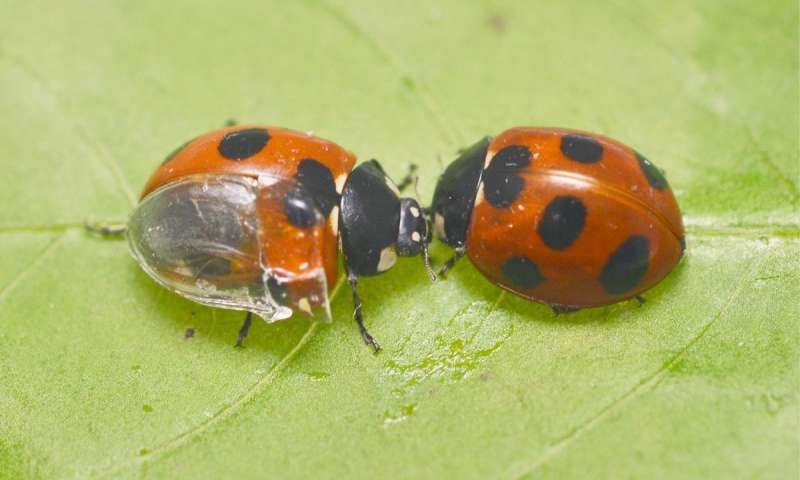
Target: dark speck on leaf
(498, 23)
(189, 333)
(408, 82)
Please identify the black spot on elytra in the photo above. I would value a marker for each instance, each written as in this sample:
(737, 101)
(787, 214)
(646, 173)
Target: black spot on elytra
(655, 177)
(277, 291)
(626, 267)
(501, 182)
(522, 272)
(581, 148)
(562, 222)
(300, 208)
(318, 181)
(243, 144)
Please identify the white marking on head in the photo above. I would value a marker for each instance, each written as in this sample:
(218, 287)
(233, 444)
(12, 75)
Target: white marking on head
(304, 305)
(340, 182)
(303, 266)
(414, 212)
(438, 224)
(415, 237)
(388, 258)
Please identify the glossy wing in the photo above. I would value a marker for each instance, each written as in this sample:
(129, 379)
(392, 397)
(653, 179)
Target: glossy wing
(563, 239)
(604, 160)
(207, 238)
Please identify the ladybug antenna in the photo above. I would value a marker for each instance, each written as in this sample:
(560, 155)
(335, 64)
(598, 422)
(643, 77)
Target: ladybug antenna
(425, 256)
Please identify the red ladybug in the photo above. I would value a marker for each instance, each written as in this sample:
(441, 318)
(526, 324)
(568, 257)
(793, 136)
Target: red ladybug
(561, 217)
(251, 218)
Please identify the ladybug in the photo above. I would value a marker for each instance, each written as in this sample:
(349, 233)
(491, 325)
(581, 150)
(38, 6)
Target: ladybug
(252, 218)
(566, 218)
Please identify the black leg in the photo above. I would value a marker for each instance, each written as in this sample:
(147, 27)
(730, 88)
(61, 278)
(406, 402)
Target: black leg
(358, 316)
(640, 299)
(426, 259)
(106, 230)
(406, 181)
(248, 320)
(559, 309)
(451, 262)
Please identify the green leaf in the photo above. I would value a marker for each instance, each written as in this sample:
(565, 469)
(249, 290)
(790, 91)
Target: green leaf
(99, 381)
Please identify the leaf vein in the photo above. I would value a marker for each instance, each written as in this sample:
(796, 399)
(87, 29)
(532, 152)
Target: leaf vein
(762, 156)
(442, 122)
(641, 387)
(185, 438)
(48, 250)
(100, 152)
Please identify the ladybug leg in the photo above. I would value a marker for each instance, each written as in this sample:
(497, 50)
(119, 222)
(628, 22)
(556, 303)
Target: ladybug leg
(451, 262)
(352, 279)
(559, 309)
(106, 230)
(408, 179)
(248, 320)
(640, 299)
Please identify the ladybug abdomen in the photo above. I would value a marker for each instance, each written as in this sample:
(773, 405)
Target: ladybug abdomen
(571, 235)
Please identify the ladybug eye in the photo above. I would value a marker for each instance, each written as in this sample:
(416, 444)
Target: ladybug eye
(206, 237)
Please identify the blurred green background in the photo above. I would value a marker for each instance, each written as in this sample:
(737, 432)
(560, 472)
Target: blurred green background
(97, 380)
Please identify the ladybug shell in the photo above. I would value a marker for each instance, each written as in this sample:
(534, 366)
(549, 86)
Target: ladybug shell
(279, 160)
(572, 219)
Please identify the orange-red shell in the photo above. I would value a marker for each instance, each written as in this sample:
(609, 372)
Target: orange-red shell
(624, 203)
(285, 247)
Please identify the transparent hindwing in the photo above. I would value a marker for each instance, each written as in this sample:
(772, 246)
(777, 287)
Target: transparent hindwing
(226, 241)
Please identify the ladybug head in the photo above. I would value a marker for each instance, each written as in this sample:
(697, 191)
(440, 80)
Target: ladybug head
(413, 235)
(413, 232)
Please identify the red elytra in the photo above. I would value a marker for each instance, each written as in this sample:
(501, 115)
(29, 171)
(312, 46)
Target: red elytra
(235, 151)
(562, 217)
